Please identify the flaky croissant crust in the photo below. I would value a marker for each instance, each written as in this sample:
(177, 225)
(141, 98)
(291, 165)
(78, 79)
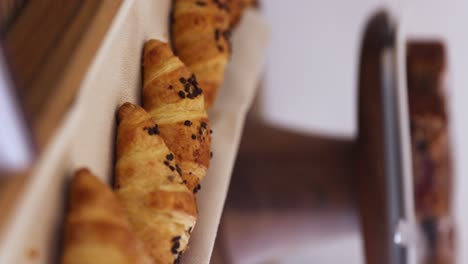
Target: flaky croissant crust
(200, 37)
(96, 228)
(173, 97)
(160, 207)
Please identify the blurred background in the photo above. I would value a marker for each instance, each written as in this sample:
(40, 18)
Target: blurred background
(295, 177)
(295, 194)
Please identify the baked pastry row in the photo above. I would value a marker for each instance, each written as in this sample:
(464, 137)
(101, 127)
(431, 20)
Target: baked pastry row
(163, 149)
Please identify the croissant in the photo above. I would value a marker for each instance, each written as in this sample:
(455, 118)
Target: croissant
(96, 229)
(173, 98)
(161, 209)
(237, 8)
(200, 37)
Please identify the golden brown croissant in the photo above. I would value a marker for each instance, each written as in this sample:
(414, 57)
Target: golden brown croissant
(97, 230)
(172, 97)
(200, 37)
(161, 209)
(237, 8)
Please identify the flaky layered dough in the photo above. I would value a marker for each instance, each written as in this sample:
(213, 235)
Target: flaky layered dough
(200, 37)
(174, 99)
(96, 229)
(160, 207)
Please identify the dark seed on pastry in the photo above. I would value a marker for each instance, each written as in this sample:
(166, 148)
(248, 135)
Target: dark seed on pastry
(170, 87)
(220, 48)
(177, 260)
(187, 87)
(211, 131)
(170, 157)
(194, 136)
(203, 124)
(181, 94)
(176, 244)
(152, 130)
(182, 80)
(221, 5)
(192, 79)
(175, 239)
(175, 247)
(179, 170)
(166, 163)
(200, 3)
(194, 82)
(187, 123)
(197, 188)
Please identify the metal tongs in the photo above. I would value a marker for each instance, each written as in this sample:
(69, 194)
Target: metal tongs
(384, 166)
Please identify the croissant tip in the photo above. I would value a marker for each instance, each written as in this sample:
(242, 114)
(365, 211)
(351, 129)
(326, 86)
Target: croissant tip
(82, 171)
(156, 44)
(125, 109)
(82, 175)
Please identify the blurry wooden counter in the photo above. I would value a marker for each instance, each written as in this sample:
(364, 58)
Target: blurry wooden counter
(49, 45)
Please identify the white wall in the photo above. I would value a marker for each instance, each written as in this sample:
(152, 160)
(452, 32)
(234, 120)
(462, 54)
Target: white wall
(311, 74)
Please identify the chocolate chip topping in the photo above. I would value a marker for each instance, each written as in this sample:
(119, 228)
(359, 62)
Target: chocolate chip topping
(170, 156)
(191, 89)
(152, 130)
(181, 94)
(179, 171)
(175, 247)
(196, 189)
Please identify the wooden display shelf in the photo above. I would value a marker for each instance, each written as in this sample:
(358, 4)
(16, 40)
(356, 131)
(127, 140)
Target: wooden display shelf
(49, 47)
